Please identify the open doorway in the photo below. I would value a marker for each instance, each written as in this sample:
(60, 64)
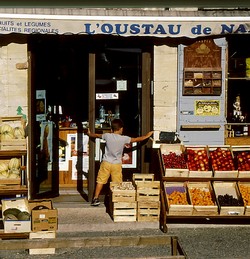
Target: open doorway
(60, 69)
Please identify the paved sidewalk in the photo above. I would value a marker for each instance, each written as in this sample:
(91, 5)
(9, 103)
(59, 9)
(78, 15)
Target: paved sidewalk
(77, 219)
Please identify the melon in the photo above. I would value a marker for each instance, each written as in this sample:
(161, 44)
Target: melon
(19, 133)
(3, 167)
(4, 174)
(13, 175)
(6, 128)
(14, 163)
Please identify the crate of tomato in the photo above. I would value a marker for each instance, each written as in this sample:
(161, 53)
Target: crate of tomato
(174, 160)
(198, 161)
(242, 158)
(222, 161)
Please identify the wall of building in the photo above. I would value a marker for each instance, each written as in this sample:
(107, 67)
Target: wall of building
(165, 88)
(13, 79)
(14, 76)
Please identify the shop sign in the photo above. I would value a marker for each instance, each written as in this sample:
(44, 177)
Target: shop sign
(207, 107)
(49, 24)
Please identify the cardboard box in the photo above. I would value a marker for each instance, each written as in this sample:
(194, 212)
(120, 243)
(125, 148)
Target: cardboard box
(42, 235)
(16, 226)
(43, 216)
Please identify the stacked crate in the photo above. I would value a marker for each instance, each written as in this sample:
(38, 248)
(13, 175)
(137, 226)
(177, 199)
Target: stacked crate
(147, 197)
(16, 139)
(44, 224)
(123, 204)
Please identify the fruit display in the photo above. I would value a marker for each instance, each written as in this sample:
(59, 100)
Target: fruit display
(10, 169)
(8, 132)
(177, 195)
(245, 193)
(222, 159)
(243, 160)
(201, 196)
(197, 160)
(229, 200)
(174, 160)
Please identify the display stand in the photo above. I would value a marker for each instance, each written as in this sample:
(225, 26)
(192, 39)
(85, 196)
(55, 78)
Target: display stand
(158, 168)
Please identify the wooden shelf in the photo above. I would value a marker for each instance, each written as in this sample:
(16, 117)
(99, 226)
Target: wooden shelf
(13, 190)
(12, 153)
(237, 141)
(200, 127)
(165, 218)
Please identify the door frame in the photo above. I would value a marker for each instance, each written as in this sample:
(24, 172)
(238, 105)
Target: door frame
(31, 154)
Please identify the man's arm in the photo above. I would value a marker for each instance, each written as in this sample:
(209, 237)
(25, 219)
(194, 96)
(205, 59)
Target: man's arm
(93, 135)
(141, 138)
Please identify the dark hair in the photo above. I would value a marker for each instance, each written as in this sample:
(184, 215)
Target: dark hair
(116, 124)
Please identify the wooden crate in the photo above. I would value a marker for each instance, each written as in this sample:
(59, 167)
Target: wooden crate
(224, 173)
(173, 172)
(178, 209)
(13, 144)
(42, 235)
(148, 191)
(195, 173)
(124, 211)
(245, 194)
(142, 178)
(122, 195)
(9, 180)
(230, 188)
(13, 121)
(148, 211)
(207, 210)
(236, 150)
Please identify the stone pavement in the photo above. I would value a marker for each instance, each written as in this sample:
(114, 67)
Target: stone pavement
(198, 240)
(78, 219)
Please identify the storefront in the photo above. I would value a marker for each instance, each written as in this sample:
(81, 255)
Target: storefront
(133, 67)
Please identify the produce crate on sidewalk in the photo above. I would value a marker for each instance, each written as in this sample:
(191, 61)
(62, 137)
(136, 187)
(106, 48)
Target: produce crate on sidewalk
(142, 178)
(147, 196)
(148, 191)
(148, 211)
(123, 205)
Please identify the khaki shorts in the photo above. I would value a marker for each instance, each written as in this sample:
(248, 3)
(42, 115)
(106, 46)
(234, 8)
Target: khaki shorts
(107, 169)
